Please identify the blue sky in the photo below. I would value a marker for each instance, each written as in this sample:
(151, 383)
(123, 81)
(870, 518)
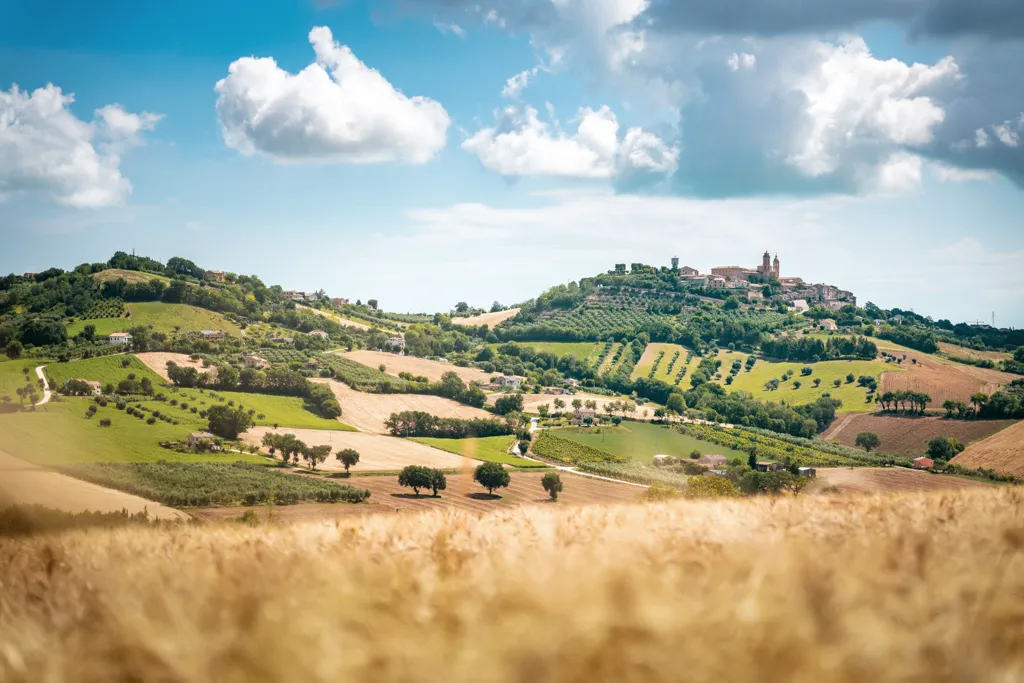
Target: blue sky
(881, 151)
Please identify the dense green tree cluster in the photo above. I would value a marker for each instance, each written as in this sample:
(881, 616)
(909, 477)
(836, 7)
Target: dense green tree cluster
(419, 423)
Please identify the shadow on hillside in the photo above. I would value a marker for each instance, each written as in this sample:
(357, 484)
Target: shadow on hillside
(483, 496)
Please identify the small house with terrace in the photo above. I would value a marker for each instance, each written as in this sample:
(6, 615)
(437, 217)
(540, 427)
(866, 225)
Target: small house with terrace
(119, 338)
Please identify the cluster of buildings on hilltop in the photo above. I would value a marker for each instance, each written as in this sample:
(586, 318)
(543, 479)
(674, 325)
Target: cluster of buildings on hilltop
(750, 280)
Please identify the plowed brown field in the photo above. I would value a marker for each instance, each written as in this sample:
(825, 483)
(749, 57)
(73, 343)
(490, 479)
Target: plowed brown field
(1002, 452)
(377, 453)
(909, 436)
(890, 480)
(492, 320)
(431, 369)
(367, 412)
(943, 380)
(462, 494)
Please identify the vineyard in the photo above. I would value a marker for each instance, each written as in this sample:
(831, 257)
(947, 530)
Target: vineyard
(570, 452)
(582, 324)
(182, 484)
(363, 377)
(781, 448)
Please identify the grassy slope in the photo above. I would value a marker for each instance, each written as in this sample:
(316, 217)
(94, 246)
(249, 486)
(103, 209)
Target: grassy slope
(851, 395)
(165, 317)
(12, 375)
(104, 369)
(104, 326)
(641, 442)
(584, 351)
(489, 449)
(286, 411)
(642, 370)
(58, 433)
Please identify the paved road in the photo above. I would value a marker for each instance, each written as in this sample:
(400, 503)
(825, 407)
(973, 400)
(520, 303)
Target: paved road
(46, 387)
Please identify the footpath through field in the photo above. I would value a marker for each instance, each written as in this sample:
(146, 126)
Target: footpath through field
(46, 386)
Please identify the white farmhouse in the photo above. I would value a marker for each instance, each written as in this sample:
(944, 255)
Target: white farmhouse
(119, 338)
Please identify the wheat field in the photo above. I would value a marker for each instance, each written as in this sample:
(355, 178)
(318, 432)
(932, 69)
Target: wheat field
(831, 588)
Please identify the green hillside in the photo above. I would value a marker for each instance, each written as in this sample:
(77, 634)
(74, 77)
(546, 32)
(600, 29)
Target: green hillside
(640, 441)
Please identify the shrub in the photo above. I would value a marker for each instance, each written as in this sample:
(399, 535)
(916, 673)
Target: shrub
(151, 421)
(105, 422)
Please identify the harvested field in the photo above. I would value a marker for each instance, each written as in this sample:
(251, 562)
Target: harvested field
(829, 589)
(463, 494)
(344, 322)
(132, 277)
(367, 412)
(890, 480)
(533, 401)
(954, 350)
(157, 362)
(909, 436)
(943, 380)
(377, 453)
(22, 483)
(492, 320)
(1003, 452)
(419, 367)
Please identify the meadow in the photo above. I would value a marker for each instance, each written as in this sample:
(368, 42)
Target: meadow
(104, 369)
(104, 326)
(489, 449)
(286, 411)
(59, 433)
(12, 375)
(852, 395)
(585, 352)
(811, 588)
(169, 318)
(640, 441)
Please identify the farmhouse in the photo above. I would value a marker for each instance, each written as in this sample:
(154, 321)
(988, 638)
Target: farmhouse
(583, 416)
(255, 362)
(717, 283)
(202, 441)
(217, 275)
(95, 387)
(119, 338)
(555, 391)
(396, 344)
(281, 340)
(829, 324)
(338, 301)
(510, 381)
(319, 333)
(923, 463)
(714, 461)
(572, 383)
(807, 472)
(762, 466)
(687, 271)
(212, 335)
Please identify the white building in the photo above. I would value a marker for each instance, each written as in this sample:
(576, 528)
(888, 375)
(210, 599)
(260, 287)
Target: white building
(319, 333)
(119, 338)
(511, 381)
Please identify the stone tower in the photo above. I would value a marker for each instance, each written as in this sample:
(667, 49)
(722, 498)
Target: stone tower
(675, 263)
(775, 266)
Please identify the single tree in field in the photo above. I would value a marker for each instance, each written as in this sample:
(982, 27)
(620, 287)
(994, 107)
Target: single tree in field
(543, 410)
(590, 404)
(949, 405)
(796, 384)
(416, 477)
(438, 482)
(979, 400)
(837, 382)
(577, 403)
(559, 404)
(868, 441)
(491, 475)
(347, 457)
(315, 455)
(850, 378)
(552, 483)
(817, 382)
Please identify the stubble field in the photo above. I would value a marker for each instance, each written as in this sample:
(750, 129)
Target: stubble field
(1002, 452)
(420, 367)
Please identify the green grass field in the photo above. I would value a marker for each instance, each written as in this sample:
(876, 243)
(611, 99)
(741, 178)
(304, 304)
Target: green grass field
(852, 395)
(584, 351)
(640, 441)
(104, 326)
(643, 368)
(58, 433)
(103, 370)
(489, 449)
(12, 375)
(166, 317)
(285, 411)
(606, 365)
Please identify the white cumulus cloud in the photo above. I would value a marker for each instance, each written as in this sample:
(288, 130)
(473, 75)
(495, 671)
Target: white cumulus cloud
(337, 109)
(523, 145)
(45, 149)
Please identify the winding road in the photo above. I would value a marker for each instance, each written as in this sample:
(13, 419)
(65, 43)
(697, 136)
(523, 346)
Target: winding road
(46, 386)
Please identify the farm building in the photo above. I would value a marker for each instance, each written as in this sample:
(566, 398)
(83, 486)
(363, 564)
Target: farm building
(319, 333)
(255, 362)
(687, 271)
(202, 441)
(572, 383)
(762, 466)
(339, 301)
(396, 344)
(119, 338)
(714, 461)
(217, 275)
(555, 391)
(829, 324)
(923, 463)
(807, 472)
(510, 381)
(281, 340)
(212, 335)
(583, 416)
(95, 387)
